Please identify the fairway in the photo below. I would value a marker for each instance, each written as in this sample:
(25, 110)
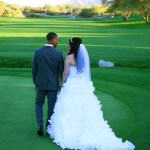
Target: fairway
(19, 121)
(124, 91)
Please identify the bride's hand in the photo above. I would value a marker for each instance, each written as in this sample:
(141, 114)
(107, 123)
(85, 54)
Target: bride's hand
(60, 87)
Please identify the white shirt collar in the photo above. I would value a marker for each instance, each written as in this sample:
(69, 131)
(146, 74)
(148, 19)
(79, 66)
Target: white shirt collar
(48, 45)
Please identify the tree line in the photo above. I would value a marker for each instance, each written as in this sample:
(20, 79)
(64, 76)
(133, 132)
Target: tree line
(114, 7)
(127, 7)
(13, 10)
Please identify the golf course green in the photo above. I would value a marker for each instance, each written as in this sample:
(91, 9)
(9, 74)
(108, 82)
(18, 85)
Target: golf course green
(124, 90)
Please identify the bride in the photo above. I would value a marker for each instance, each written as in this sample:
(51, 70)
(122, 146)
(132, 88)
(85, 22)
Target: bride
(77, 121)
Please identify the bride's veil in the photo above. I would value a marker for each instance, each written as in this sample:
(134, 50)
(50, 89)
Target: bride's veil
(83, 62)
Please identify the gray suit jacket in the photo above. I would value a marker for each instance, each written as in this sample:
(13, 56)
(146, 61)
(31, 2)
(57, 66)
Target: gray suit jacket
(47, 66)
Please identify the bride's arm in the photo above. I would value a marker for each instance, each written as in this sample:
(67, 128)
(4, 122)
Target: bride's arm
(66, 69)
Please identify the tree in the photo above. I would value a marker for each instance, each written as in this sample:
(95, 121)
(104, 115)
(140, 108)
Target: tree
(144, 9)
(10, 10)
(38, 9)
(71, 7)
(99, 8)
(28, 9)
(62, 8)
(76, 11)
(2, 7)
(87, 12)
(123, 7)
(105, 2)
(53, 11)
(126, 7)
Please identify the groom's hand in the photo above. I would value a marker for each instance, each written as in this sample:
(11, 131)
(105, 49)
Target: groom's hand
(59, 89)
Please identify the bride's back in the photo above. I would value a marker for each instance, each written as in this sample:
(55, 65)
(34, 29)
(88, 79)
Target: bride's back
(72, 60)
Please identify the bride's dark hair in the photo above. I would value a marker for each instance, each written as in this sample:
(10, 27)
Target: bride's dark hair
(74, 45)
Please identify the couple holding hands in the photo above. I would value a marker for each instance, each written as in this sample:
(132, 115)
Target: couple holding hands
(75, 119)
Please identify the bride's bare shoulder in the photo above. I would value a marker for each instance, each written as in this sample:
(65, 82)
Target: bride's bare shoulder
(70, 59)
(71, 56)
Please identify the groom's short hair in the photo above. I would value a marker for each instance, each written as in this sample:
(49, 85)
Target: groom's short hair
(51, 35)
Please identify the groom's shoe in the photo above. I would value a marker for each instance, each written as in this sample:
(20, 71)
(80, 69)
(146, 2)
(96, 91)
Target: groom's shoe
(40, 132)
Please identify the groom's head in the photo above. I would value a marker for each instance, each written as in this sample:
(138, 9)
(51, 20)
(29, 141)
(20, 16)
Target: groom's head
(52, 38)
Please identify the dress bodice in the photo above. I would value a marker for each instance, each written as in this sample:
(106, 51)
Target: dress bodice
(73, 71)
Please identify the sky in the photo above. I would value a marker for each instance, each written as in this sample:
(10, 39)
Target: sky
(42, 2)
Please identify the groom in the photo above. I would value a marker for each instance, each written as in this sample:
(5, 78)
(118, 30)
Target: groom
(47, 67)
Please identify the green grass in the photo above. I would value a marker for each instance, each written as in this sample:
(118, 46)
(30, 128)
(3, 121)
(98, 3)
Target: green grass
(130, 86)
(124, 91)
(128, 41)
(17, 121)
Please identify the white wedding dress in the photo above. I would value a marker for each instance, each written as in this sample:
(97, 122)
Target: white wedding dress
(77, 122)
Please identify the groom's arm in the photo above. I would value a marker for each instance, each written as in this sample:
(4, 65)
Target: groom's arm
(34, 69)
(61, 66)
